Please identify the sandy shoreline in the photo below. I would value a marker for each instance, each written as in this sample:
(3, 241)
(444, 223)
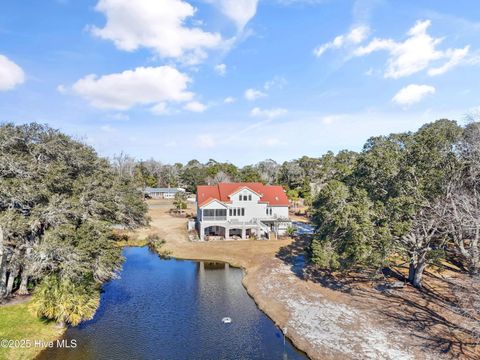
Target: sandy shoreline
(324, 323)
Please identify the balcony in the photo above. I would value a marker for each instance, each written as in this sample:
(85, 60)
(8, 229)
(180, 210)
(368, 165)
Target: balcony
(214, 218)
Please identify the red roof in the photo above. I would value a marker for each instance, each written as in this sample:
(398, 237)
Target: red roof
(274, 195)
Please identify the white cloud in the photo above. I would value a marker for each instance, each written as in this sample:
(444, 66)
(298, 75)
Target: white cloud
(355, 36)
(221, 69)
(268, 113)
(415, 54)
(160, 109)
(239, 11)
(141, 86)
(61, 89)
(254, 94)
(277, 82)
(330, 119)
(11, 75)
(205, 141)
(119, 116)
(456, 56)
(158, 25)
(229, 100)
(412, 94)
(195, 106)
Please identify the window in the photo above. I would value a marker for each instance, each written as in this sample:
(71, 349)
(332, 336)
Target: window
(243, 211)
(221, 212)
(208, 212)
(230, 212)
(234, 212)
(250, 197)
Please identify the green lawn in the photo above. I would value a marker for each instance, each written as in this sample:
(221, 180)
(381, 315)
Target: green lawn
(18, 323)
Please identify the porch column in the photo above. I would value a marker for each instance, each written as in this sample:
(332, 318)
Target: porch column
(227, 233)
(201, 231)
(244, 233)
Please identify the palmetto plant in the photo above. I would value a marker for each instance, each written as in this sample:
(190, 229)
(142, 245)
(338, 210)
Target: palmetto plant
(65, 301)
(290, 231)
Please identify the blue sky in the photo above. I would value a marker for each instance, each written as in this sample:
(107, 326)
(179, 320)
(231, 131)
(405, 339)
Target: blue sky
(236, 80)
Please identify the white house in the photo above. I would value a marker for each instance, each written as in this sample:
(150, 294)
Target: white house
(241, 211)
(163, 193)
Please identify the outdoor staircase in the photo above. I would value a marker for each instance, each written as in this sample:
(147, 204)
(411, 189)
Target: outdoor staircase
(264, 228)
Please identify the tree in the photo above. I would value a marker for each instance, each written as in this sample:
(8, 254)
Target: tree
(268, 171)
(424, 242)
(350, 233)
(408, 173)
(179, 202)
(58, 200)
(291, 174)
(143, 176)
(193, 174)
(124, 164)
(390, 199)
(219, 177)
(463, 200)
(169, 175)
(293, 197)
(249, 174)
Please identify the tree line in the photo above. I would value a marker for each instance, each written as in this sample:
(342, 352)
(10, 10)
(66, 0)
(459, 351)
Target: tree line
(412, 196)
(295, 175)
(58, 203)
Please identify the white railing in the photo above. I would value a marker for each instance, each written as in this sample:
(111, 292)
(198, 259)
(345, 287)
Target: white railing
(214, 218)
(240, 222)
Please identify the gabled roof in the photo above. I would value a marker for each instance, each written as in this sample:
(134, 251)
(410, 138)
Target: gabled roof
(273, 195)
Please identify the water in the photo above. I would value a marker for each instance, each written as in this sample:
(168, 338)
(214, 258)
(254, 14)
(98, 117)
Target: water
(172, 309)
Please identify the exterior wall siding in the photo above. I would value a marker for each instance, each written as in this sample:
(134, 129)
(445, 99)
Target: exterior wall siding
(254, 210)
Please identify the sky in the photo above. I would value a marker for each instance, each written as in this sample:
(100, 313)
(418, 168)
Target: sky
(237, 80)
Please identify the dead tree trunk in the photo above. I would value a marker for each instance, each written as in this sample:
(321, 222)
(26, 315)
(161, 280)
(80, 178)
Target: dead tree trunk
(418, 263)
(11, 280)
(23, 289)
